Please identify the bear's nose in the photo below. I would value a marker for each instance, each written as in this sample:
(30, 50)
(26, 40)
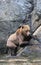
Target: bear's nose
(28, 33)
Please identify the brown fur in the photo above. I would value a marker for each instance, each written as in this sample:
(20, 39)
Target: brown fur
(18, 37)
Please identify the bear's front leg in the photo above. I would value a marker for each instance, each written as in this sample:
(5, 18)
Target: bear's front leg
(23, 44)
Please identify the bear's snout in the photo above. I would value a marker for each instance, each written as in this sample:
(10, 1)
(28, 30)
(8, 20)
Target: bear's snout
(28, 33)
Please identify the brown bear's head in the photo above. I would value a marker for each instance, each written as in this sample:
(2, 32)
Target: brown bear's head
(24, 30)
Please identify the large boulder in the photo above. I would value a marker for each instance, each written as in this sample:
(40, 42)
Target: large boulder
(36, 15)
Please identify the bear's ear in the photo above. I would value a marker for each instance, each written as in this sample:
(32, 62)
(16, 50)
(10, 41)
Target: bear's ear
(19, 27)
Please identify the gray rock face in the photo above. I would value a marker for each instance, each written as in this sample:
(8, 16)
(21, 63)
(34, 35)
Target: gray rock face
(15, 9)
(36, 14)
(36, 20)
(7, 27)
(38, 7)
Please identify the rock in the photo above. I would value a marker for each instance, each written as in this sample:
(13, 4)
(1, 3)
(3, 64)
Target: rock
(36, 15)
(36, 21)
(38, 8)
(7, 28)
(15, 9)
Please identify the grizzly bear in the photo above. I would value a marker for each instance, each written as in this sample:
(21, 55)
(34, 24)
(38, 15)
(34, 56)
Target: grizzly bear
(19, 38)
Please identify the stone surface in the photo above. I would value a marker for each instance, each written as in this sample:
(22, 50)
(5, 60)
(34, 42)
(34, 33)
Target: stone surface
(15, 9)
